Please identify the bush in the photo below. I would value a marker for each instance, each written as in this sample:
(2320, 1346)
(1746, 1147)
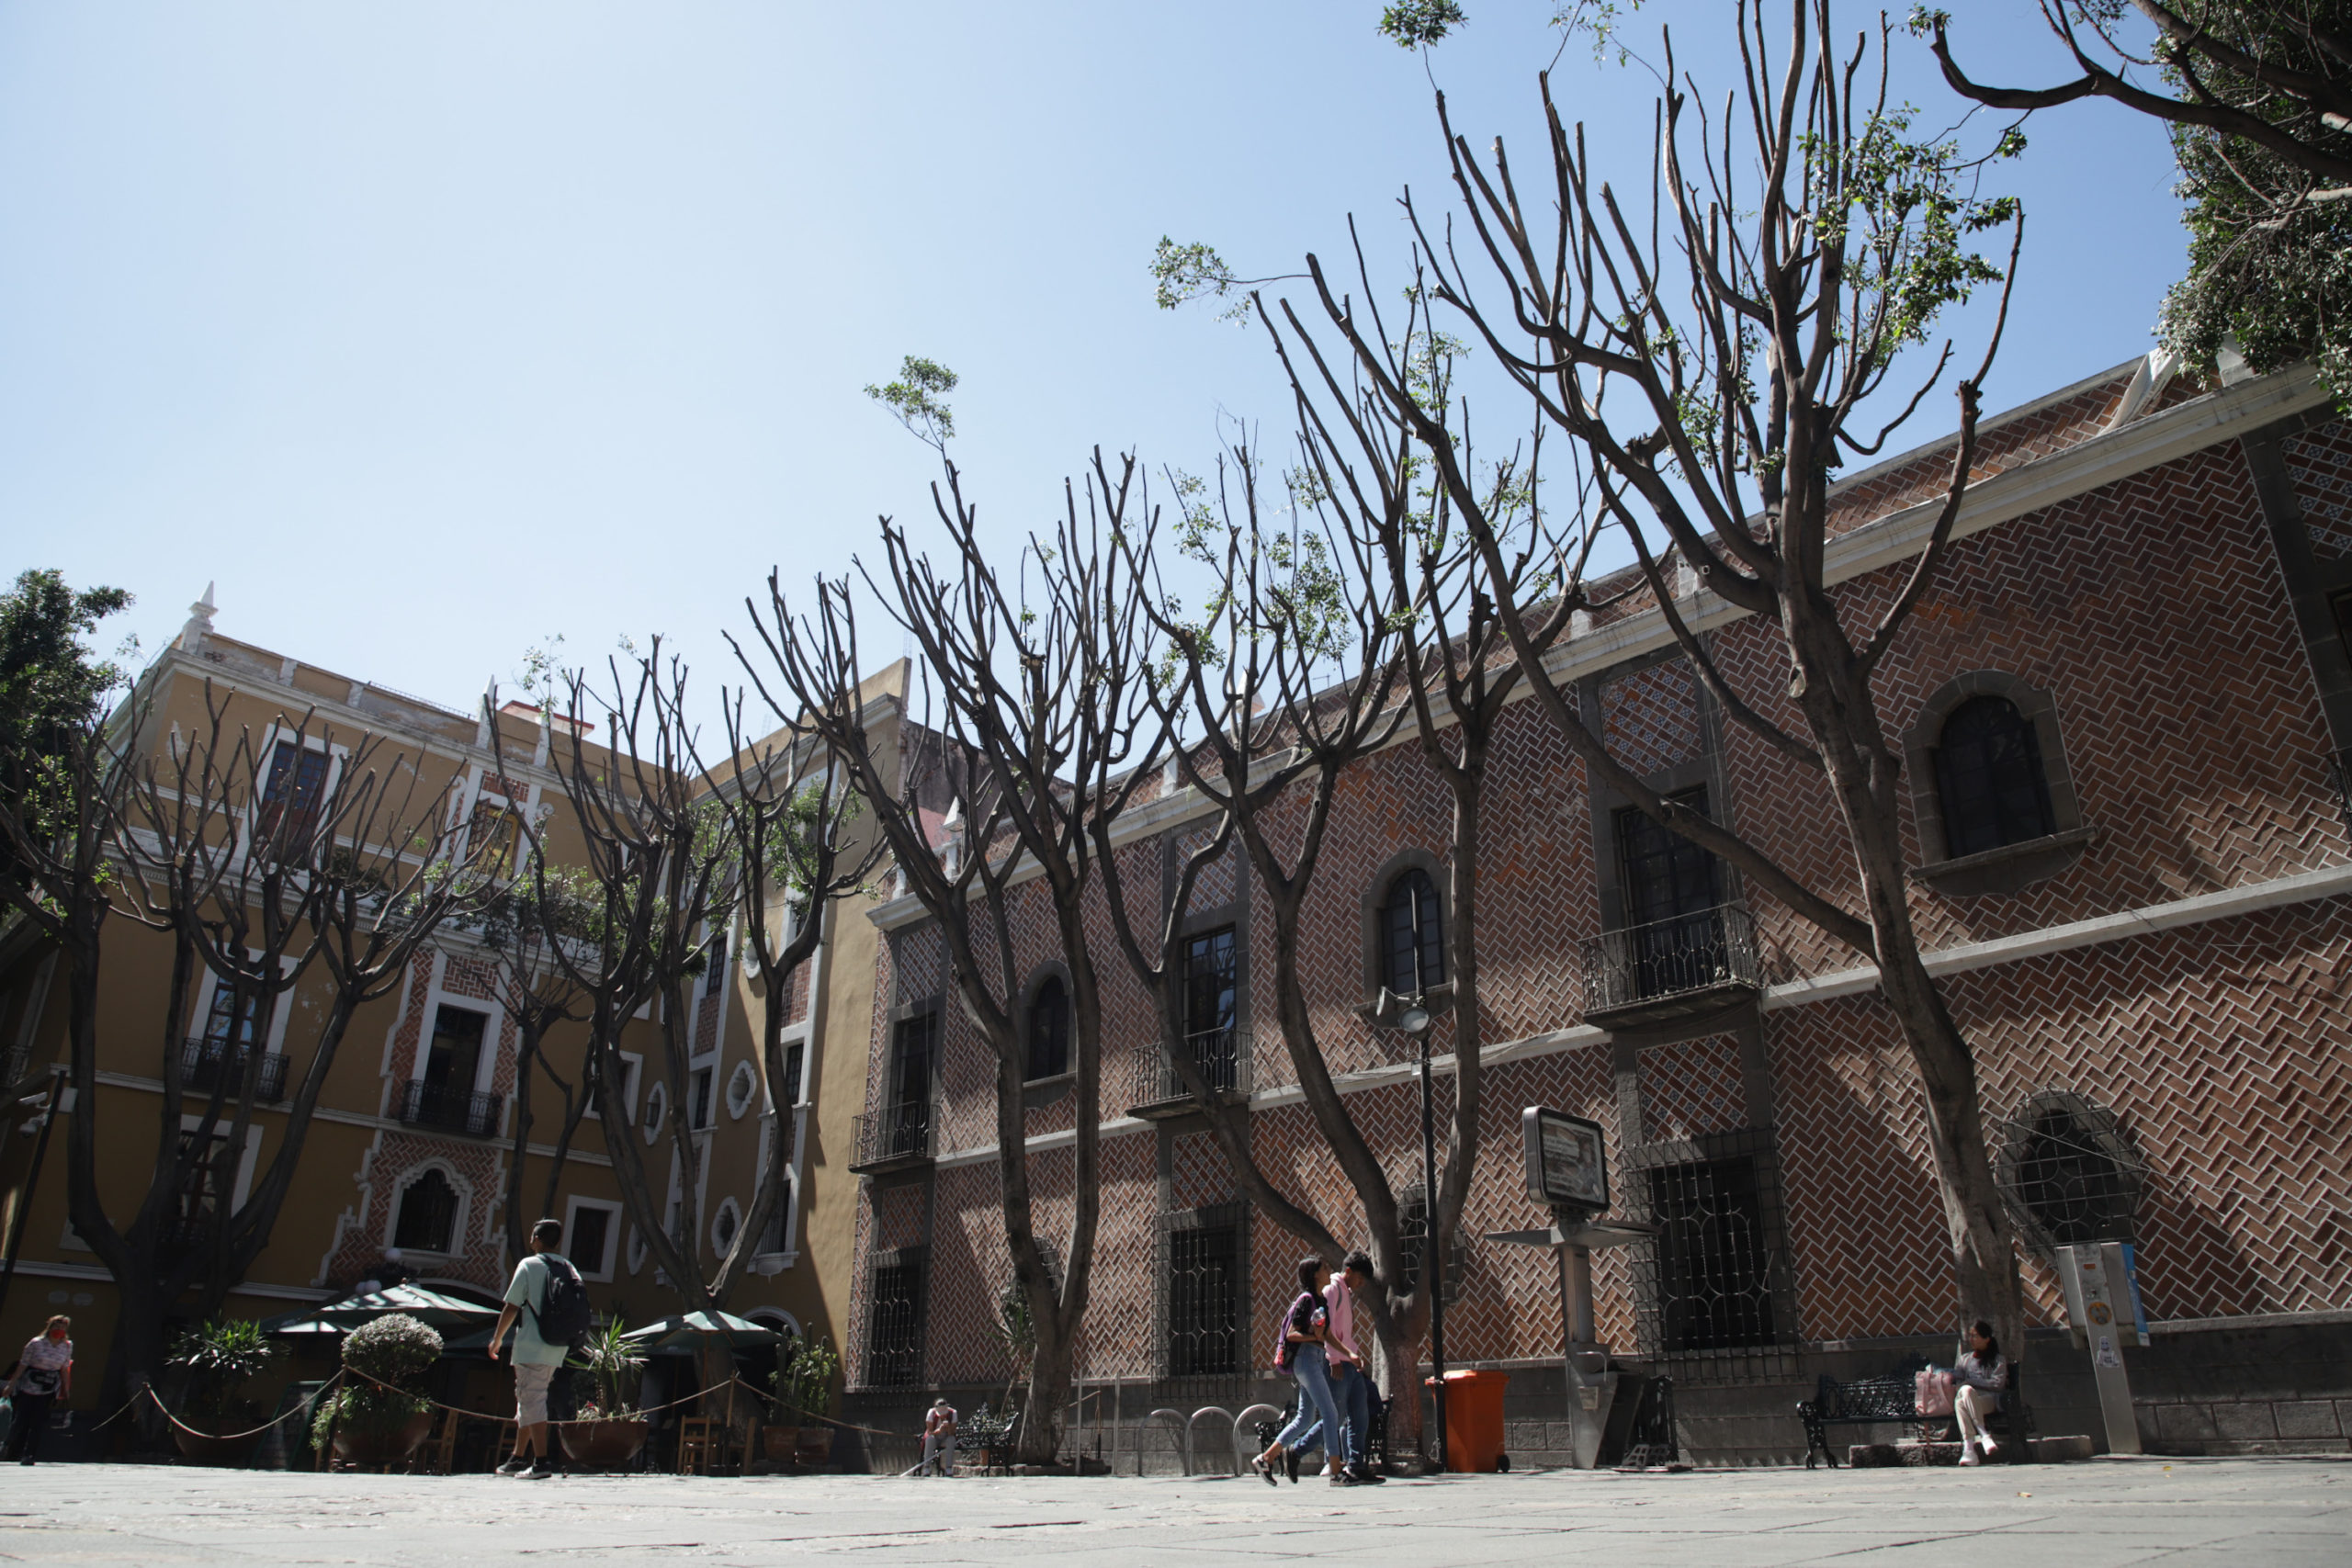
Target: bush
(804, 1377)
(395, 1349)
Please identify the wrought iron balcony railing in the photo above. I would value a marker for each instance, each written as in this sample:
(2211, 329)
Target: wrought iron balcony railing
(1221, 1056)
(1671, 968)
(451, 1110)
(902, 1133)
(206, 1064)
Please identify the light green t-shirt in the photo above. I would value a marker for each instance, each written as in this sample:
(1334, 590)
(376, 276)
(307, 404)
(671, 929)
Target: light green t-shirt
(529, 1292)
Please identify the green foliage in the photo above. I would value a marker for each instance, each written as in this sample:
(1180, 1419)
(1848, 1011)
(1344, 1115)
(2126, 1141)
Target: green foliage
(2269, 247)
(613, 1364)
(918, 398)
(1417, 24)
(1181, 273)
(219, 1357)
(51, 684)
(395, 1349)
(805, 1374)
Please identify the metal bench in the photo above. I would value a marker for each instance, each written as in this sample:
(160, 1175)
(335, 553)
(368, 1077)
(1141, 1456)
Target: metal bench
(981, 1434)
(1893, 1398)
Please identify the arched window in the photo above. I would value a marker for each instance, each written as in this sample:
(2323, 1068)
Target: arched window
(428, 1213)
(1412, 935)
(2068, 1171)
(1050, 1030)
(1989, 774)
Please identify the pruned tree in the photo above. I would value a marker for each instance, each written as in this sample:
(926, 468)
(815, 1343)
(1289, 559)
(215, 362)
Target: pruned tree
(540, 907)
(257, 870)
(1714, 361)
(1036, 729)
(2257, 95)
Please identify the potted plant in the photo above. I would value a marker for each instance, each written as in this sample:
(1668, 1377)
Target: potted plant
(215, 1360)
(377, 1416)
(804, 1393)
(610, 1432)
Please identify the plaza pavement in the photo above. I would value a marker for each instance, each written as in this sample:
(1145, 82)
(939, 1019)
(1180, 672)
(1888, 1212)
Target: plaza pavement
(2095, 1514)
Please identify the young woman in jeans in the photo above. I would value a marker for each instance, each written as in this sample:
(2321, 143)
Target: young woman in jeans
(1305, 1328)
(43, 1376)
(1981, 1374)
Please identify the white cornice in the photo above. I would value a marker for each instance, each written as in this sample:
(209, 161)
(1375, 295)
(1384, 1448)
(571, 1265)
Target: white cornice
(2150, 919)
(2089, 464)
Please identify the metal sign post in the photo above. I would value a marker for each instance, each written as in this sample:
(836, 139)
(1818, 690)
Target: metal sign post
(2102, 1307)
(1567, 1171)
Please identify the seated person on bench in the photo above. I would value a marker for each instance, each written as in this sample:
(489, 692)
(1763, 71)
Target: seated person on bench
(1980, 1375)
(939, 1438)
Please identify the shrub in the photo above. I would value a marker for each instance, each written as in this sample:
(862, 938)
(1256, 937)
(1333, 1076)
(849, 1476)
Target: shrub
(395, 1349)
(803, 1376)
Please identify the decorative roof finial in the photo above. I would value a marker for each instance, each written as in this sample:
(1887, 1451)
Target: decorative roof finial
(199, 623)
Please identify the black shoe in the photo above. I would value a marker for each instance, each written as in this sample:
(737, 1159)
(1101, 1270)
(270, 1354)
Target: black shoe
(1290, 1466)
(1341, 1478)
(1367, 1477)
(1265, 1471)
(512, 1467)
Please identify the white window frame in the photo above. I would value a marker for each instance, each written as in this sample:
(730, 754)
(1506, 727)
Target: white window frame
(599, 1269)
(458, 1219)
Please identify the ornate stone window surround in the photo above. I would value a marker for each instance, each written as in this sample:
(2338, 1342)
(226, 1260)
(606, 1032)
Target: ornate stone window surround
(2012, 867)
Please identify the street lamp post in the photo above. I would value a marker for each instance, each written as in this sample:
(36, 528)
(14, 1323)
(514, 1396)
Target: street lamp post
(1415, 1021)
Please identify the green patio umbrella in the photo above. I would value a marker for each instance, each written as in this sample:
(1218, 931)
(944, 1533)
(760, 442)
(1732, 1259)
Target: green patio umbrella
(432, 1307)
(682, 1328)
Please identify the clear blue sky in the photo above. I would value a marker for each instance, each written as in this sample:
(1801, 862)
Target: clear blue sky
(430, 330)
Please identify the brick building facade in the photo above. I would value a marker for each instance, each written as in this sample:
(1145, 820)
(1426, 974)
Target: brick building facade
(2147, 609)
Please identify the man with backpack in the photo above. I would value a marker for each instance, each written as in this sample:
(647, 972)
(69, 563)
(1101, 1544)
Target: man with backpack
(546, 1306)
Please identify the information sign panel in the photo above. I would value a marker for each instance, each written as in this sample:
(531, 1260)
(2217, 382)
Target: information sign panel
(1567, 1163)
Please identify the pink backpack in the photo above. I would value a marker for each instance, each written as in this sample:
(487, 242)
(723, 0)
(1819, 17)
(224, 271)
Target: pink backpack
(1932, 1392)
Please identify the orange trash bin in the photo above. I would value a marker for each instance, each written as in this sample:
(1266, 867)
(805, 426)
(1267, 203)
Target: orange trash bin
(1474, 1421)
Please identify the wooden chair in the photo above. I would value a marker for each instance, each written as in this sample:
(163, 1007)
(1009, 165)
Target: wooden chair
(702, 1444)
(439, 1452)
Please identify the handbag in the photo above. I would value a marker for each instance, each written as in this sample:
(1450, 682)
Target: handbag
(1932, 1391)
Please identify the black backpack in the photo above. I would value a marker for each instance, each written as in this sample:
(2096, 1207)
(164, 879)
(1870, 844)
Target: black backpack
(562, 1312)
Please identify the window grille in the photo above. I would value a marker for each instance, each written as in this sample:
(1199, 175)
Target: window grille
(1989, 775)
(2069, 1174)
(1205, 1256)
(894, 1336)
(1711, 1288)
(907, 1111)
(1050, 1030)
(1412, 935)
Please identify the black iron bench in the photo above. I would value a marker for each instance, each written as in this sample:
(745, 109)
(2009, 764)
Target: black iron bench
(984, 1434)
(1893, 1398)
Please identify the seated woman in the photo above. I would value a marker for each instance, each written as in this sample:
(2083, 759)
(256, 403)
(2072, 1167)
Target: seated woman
(1982, 1375)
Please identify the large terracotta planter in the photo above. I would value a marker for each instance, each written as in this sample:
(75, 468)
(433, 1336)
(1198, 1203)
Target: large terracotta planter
(781, 1444)
(376, 1450)
(816, 1446)
(202, 1447)
(605, 1445)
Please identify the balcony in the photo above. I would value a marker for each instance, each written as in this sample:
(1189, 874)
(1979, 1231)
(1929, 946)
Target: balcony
(1671, 970)
(206, 1065)
(450, 1110)
(899, 1136)
(1220, 1055)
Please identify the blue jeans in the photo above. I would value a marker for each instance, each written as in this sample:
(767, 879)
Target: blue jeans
(1314, 1379)
(1352, 1392)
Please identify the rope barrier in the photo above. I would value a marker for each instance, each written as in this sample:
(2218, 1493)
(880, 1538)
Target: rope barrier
(303, 1407)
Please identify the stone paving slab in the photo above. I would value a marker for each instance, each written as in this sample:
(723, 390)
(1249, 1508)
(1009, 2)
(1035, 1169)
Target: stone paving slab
(2104, 1514)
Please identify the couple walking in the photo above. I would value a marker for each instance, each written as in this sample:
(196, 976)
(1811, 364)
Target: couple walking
(1318, 1347)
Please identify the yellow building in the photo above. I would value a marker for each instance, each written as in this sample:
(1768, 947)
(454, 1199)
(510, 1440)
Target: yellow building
(407, 1160)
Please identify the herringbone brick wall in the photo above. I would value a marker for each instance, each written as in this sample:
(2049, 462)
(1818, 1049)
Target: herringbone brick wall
(2321, 463)
(2151, 612)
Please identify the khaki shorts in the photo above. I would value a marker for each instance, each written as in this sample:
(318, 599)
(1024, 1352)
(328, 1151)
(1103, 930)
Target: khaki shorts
(531, 1393)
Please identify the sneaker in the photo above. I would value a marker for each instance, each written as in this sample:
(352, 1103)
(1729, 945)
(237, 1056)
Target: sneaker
(1290, 1466)
(1366, 1475)
(535, 1472)
(1968, 1456)
(1265, 1472)
(1341, 1478)
(512, 1467)
(1991, 1447)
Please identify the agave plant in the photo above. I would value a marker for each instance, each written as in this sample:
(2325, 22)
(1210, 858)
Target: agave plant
(611, 1361)
(217, 1356)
